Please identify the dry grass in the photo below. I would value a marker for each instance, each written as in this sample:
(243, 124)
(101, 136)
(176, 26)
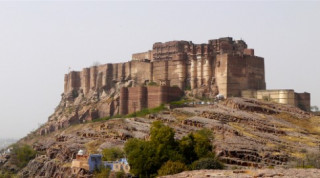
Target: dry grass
(93, 146)
(242, 130)
(298, 155)
(311, 125)
(67, 164)
(271, 145)
(303, 140)
(180, 116)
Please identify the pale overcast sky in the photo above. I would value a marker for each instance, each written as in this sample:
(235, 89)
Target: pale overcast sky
(39, 41)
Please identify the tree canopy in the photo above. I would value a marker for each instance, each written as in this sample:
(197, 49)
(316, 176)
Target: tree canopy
(112, 154)
(164, 154)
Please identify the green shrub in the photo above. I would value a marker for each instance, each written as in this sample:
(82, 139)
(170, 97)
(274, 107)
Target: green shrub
(112, 154)
(22, 154)
(179, 103)
(188, 87)
(266, 98)
(107, 118)
(164, 155)
(102, 173)
(75, 93)
(171, 167)
(146, 111)
(196, 145)
(121, 174)
(207, 163)
(146, 157)
(152, 84)
(7, 175)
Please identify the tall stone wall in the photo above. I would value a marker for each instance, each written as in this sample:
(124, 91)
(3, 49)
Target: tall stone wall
(105, 76)
(244, 72)
(72, 81)
(142, 56)
(279, 96)
(221, 74)
(140, 72)
(223, 63)
(137, 98)
(124, 100)
(301, 100)
(167, 50)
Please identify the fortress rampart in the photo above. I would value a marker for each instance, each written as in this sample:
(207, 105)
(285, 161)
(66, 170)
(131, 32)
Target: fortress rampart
(137, 98)
(301, 100)
(221, 66)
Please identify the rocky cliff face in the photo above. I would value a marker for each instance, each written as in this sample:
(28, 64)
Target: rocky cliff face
(76, 107)
(248, 133)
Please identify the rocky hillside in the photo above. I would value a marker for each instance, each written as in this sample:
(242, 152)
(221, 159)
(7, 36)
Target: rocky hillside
(248, 133)
(75, 107)
(284, 173)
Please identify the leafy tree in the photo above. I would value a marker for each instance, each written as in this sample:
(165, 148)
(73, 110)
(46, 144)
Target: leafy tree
(162, 138)
(196, 145)
(186, 146)
(165, 155)
(171, 167)
(112, 154)
(203, 146)
(22, 154)
(141, 157)
(207, 163)
(161, 134)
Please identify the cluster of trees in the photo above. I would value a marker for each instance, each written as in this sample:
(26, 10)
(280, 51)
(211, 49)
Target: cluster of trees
(164, 155)
(112, 154)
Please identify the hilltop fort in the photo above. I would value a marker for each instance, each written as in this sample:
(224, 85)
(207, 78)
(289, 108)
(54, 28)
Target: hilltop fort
(221, 66)
(253, 126)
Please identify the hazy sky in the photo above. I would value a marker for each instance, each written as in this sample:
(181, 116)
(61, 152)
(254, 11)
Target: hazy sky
(40, 40)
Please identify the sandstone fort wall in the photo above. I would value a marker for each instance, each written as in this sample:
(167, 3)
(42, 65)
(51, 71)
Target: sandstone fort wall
(223, 65)
(301, 100)
(135, 99)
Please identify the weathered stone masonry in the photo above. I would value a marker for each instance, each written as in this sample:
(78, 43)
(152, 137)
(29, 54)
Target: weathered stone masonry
(221, 66)
(137, 98)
